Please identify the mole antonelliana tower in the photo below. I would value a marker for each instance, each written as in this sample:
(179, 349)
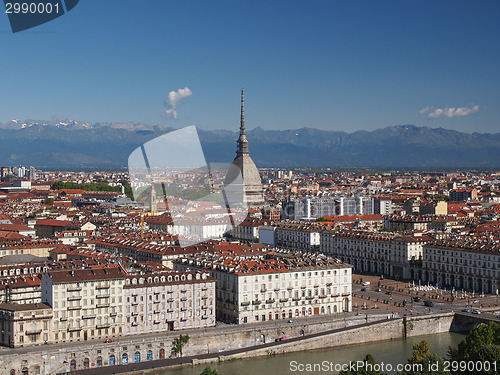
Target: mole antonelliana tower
(251, 178)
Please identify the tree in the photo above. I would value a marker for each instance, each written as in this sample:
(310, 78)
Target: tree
(178, 344)
(370, 367)
(420, 351)
(49, 201)
(481, 344)
(422, 361)
(209, 371)
(432, 364)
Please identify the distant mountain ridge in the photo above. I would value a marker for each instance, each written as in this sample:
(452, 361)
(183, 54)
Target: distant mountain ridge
(70, 144)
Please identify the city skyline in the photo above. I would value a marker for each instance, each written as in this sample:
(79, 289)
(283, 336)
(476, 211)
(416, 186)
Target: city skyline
(332, 66)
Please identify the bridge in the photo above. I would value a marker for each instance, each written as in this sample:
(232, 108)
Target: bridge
(464, 321)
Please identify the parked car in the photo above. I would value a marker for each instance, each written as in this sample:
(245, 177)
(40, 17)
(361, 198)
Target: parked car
(363, 289)
(477, 312)
(475, 301)
(466, 310)
(366, 283)
(416, 299)
(388, 293)
(108, 340)
(429, 303)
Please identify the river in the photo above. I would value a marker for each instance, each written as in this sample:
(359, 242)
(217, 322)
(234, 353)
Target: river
(392, 352)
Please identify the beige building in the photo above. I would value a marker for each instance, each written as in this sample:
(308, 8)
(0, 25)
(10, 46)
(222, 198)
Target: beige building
(468, 264)
(284, 285)
(297, 236)
(168, 301)
(371, 252)
(87, 303)
(25, 324)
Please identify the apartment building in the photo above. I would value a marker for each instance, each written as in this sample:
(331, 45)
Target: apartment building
(386, 254)
(281, 285)
(297, 236)
(468, 264)
(25, 324)
(87, 303)
(168, 301)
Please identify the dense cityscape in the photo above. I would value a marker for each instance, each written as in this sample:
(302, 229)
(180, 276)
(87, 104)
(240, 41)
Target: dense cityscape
(87, 268)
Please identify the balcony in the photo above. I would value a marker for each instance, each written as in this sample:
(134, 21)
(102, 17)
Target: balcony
(102, 305)
(296, 299)
(74, 308)
(283, 299)
(184, 299)
(290, 288)
(92, 316)
(75, 289)
(204, 288)
(346, 294)
(204, 307)
(276, 289)
(102, 287)
(245, 303)
(262, 290)
(170, 300)
(112, 314)
(310, 297)
(63, 319)
(184, 308)
(102, 296)
(322, 296)
(156, 321)
(183, 290)
(34, 332)
(204, 297)
(156, 311)
(74, 329)
(271, 300)
(74, 298)
(101, 326)
(256, 302)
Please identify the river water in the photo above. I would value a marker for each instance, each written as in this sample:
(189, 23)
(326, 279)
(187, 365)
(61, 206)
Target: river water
(392, 352)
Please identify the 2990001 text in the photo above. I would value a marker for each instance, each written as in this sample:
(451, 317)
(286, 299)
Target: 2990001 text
(476, 366)
(31, 8)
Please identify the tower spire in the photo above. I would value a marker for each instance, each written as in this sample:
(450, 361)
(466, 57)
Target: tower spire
(242, 140)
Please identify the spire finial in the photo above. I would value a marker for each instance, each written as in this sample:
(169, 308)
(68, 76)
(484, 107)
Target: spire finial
(242, 119)
(242, 140)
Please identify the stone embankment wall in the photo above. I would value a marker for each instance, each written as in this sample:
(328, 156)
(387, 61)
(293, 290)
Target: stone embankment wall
(53, 359)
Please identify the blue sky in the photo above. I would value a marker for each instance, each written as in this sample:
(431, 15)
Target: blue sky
(338, 65)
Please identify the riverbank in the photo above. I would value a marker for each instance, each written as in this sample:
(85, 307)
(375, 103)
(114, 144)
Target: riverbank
(387, 329)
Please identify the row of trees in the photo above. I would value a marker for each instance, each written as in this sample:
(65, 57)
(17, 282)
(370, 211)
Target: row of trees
(101, 186)
(481, 346)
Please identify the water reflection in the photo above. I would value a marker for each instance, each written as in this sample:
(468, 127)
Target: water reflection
(394, 352)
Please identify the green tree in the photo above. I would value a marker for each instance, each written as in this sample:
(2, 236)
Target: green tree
(420, 351)
(178, 344)
(49, 201)
(370, 367)
(209, 371)
(432, 364)
(481, 344)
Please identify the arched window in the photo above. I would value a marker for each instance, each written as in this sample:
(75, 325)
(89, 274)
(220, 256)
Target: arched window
(99, 361)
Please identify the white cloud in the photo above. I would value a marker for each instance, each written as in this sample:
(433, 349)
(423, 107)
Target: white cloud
(173, 100)
(449, 112)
